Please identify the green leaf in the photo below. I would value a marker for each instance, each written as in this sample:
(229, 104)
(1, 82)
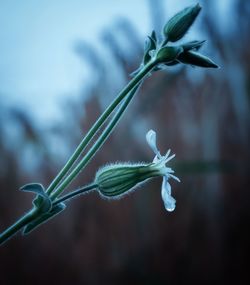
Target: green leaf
(168, 54)
(44, 218)
(36, 188)
(193, 45)
(42, 201)
(196, 59)
(150, 46)
(153, 36)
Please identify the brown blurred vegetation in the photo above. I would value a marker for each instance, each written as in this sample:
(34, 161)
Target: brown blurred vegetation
(203, 115)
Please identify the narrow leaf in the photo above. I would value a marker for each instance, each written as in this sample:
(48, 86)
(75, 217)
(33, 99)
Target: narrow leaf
(44, 218)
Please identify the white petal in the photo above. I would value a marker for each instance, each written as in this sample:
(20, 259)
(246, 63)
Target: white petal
(168, 153)
(156, 159)
(167, 159)
(174, 177)
(169, 201)
(151, 140)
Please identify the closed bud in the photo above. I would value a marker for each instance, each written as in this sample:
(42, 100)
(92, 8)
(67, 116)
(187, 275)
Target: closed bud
(113, 181)
(196, 59)
(168, 54)
(193, 45)
(172, 63)
(179, 24)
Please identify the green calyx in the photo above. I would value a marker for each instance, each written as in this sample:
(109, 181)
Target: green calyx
(179, 24)
(193, 45)
(115, 180)
(168, 54)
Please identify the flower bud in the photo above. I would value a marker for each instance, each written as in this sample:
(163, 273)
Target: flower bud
(172, 63)
(168, 54)
(115, 180)
(193, 45)
(179, 24)
(196, 59)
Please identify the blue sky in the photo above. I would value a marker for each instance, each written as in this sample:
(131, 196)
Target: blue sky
(37, 63)
(38, 66)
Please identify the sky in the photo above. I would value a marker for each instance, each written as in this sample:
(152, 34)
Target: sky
(38, 65)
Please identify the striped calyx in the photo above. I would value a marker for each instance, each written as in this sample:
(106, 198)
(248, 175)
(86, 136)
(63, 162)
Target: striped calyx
(117, 179)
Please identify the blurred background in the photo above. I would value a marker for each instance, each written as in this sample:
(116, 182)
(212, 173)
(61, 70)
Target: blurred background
(61, 63)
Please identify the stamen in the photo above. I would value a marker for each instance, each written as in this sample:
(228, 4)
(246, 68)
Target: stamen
(169, 158)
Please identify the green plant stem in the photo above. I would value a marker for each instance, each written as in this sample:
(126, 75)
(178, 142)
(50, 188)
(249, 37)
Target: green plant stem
(98, 124)
(75, 193)
(32, 214)
(18, 225)
(129, 90)
(102, 138)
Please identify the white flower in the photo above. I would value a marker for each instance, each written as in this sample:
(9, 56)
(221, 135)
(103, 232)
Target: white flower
(160, 161)
(115, 180)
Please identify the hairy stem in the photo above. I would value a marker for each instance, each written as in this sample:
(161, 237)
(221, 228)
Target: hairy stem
(75, 193)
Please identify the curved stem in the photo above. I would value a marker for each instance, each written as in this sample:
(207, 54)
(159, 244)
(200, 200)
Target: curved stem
(17, 226)
(96, 146)
(98, 124)
(75, 193)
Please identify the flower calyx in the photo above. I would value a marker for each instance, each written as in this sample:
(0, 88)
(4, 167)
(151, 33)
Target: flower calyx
(116, 180)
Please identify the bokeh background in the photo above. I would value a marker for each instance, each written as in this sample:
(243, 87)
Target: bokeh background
(61, 63)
